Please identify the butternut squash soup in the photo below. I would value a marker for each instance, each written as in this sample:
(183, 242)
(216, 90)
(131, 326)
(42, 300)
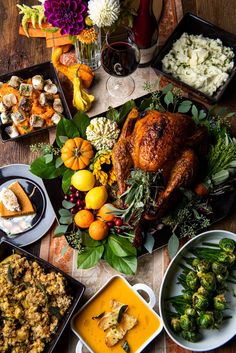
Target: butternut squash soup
(116, 294)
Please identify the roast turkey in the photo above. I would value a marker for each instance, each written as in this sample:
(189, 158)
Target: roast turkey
(158, 141)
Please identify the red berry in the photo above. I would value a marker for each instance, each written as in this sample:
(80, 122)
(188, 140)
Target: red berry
(78, 194)
(118, 230)
(73, 210)
(79, 203)
(80, 208)
(67, 197)
(73, 199)
(72, 188)
(110, 224)
(118, 222)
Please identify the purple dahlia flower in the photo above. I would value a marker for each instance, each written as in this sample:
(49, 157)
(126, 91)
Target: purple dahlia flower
(68, 15)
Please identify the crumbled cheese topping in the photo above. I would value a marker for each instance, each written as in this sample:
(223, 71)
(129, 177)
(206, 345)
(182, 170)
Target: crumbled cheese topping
(201, 62)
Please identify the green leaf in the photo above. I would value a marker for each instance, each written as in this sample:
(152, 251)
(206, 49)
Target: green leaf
(60, 230)
(45, 170)
(113, 114)
(90, 257)
(67, 204)
(59, 162)
(167, 88)
(194, 111)
(66, 180)
(185, 106)
(63, 139)
(67, 128)
(126, 265)
(173, 245)
(202, 115)
(66, 219)
(149, 243)
(48, 158)
(145, 104)
(63, 212)
(81, 121)
(121, 247)
(169, 98)
(220, 177)
(89, 242)
(126, 108)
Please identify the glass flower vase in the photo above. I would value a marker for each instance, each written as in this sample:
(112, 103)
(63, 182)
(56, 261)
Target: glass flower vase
(88, 47)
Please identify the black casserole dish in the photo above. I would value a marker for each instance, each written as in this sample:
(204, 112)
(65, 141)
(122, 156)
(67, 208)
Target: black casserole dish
(49, 73)
(192, 24)
(74, 288)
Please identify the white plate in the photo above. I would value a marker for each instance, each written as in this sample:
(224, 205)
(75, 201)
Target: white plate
(212, 339)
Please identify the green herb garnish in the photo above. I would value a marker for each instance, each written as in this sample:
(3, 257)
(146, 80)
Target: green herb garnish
(126, 347)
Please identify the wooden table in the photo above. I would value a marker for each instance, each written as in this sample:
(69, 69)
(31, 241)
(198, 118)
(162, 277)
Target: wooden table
(17, 52)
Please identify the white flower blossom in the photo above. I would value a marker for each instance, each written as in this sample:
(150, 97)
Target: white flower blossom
(103, 13)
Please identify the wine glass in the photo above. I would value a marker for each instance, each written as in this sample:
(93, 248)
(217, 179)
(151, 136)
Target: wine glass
(120, 58)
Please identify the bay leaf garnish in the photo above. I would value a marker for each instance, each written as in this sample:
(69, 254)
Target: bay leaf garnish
(10, 274)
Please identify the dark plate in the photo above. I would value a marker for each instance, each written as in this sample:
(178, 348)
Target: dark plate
(75, 288)
(193, 24)
(221, 204)
(48, 72)
(45, 215)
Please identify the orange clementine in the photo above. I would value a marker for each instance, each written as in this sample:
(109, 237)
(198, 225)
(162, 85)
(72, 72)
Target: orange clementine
(98, 230)
(104, 213)
(83, 218)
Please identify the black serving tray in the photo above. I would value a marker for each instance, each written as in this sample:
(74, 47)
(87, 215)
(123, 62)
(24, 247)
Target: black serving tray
(75, 288)
(195, 25)
(221, 204)
(47, 70)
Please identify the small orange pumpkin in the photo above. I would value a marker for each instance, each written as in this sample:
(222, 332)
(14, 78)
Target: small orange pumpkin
(77, 153)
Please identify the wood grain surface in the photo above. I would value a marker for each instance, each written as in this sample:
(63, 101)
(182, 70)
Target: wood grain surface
(17, 52)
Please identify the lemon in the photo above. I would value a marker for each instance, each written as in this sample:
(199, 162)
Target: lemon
(88, 21)
(96, 197)
(83, 180)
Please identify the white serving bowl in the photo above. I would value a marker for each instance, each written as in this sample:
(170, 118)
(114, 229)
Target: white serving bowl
(135, 288)
(212, 339)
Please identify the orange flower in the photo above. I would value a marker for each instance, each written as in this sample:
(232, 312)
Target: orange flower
(87, 36)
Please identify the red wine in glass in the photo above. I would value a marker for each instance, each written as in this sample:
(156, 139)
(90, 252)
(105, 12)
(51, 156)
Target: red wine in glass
(120, 58)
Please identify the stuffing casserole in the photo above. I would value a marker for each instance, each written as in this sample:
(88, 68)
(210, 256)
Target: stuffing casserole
(32, 302)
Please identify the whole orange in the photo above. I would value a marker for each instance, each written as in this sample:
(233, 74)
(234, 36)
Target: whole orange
(104, 213)
(83, 218)
(98, 230)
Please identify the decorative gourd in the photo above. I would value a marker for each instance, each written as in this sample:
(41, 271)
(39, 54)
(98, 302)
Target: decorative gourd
(83, 71)
(77, 153)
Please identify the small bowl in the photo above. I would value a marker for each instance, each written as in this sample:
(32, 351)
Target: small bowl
(212, 339)
(75, 288)
(195, 25)
(118, 288)
(48, 72)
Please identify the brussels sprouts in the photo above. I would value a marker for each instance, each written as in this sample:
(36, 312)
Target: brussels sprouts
(204, 292)
(190, 311)
(218, 268)
(203, 266)
(187, 322)
(207, 280)
(200, 302)
(187, 295)
(219, 302)
(227, 258)
(191, 336)
(175, 324)
(192, 280)
(206, 320)
(228, 245)
(221, 278)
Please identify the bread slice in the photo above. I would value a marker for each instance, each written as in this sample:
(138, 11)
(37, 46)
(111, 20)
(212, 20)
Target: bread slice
(26, 207)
